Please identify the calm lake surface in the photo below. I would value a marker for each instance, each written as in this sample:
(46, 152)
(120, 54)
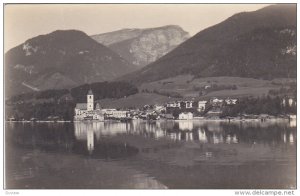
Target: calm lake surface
(151, 155)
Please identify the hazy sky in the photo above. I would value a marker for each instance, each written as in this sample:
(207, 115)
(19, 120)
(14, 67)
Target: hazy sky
(22, 22)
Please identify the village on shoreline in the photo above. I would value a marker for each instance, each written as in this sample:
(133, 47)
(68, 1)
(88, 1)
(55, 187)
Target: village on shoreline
(201, 110)
(210, 109)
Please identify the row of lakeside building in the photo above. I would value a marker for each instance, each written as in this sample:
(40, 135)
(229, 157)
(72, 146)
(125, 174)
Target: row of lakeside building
(186, 109)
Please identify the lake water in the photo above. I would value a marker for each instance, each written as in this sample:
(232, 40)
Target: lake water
(150, 155)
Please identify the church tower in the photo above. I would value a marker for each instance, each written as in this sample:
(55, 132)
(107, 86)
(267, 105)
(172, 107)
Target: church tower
(90, 101)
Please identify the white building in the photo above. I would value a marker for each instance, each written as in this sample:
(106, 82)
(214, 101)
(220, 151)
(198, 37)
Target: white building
(185, 116)
(113, 113)
(174, 104)
(159, 108)
(188, 104)
(86, 111)
(229, 101)
(201, 106)
(288, 101)
(216, 102)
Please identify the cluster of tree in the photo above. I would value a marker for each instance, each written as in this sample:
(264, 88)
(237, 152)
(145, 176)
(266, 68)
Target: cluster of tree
(42, 111)
(102, 90)
(292, 91)
(22, 97)
(260, 105)
(48, 94)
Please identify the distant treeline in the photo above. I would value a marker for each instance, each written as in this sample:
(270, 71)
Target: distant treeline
(260, 105)
(104, 90)
(41, 111)
(163, 93)
(292, 91)
(60, 103)
(100, 90)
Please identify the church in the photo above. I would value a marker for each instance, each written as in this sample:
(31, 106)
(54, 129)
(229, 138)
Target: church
(88, 110)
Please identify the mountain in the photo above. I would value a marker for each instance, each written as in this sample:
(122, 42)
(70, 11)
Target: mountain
(259, 44)
(110, 38)
(143, 46)
(61, 59)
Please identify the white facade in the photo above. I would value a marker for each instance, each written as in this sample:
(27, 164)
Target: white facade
(185, 116)
(113, 113)
(201, 106)
(119, 114)
(229, 101)
(216, 102)
(88, 115)
(159, 108)
(174, 104)
(289, 102)
(188, 104)
(90, 101)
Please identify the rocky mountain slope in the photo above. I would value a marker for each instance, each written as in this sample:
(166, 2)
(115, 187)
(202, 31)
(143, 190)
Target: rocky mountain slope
(60, 59)
(259, 44)
(143, 46)
(110, 38)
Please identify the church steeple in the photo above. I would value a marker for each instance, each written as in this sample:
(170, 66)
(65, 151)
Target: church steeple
(90, 92)
(90, 100)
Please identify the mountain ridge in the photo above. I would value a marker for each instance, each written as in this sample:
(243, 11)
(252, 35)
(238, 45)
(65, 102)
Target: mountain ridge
(143, 46)
(221, 50)
(61, 59)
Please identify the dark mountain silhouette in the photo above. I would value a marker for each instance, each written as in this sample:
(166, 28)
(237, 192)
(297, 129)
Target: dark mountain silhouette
(60, 59)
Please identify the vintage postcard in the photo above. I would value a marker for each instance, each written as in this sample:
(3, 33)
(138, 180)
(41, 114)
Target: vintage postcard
(150, 96)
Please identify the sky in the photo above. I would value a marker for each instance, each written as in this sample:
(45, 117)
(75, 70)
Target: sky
(24, 21)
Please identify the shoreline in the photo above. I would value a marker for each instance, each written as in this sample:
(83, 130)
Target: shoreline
(176, 120)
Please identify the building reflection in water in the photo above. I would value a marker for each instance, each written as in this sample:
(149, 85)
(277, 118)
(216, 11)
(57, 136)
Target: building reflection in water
(189, 136)
(90, 140)
(186, 125)
(291, 139)
(293, 123)
(202, 135)
(284, 137)
(231, 139)
(176, 136)
(214, 127)
(204, 132)
(217, 138)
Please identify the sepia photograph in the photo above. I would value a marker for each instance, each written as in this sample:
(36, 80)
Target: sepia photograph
(150, 96)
